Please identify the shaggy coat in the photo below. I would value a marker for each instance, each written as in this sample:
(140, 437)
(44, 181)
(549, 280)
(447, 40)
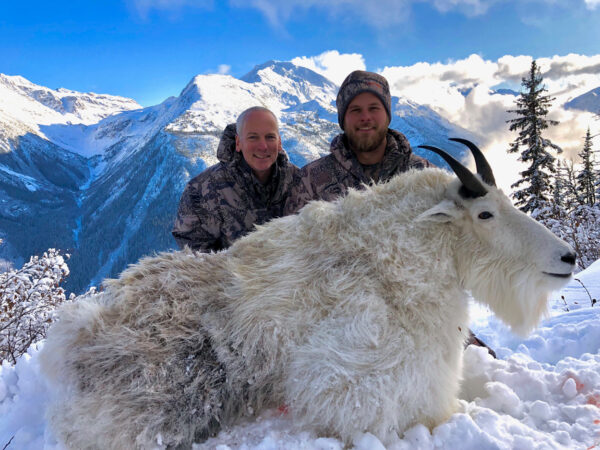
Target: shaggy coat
(326, 311)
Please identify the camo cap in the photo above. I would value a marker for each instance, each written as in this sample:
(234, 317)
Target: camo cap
(358, 82)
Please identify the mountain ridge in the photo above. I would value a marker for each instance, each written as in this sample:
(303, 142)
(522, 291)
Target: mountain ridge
(589, 101)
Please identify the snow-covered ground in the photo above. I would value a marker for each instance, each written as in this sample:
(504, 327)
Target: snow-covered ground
(542, 393)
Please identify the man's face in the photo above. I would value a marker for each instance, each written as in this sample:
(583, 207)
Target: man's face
(366, 123)
(259, 143)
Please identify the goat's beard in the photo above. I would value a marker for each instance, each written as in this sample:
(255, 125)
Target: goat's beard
(366, 144)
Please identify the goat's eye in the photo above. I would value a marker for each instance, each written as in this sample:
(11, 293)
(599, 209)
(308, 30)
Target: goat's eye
(485, 215)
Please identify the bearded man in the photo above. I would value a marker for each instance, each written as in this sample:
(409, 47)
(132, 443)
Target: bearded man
(366, 152)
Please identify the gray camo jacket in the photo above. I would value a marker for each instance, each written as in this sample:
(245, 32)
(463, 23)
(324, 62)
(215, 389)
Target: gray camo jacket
(226, 201)
(331, 176)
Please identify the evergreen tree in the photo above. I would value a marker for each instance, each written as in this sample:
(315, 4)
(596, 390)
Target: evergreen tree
(586, 178)
(596, 169)
(532, 108)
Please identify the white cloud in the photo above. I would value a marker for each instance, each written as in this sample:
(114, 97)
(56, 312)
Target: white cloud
(224, 69)
(172, 7)
(332, 65)
(443, 84)
(463, 92)
(468, 7)
(380, 13)
(383, 13)
(275, 12)
(457, 87)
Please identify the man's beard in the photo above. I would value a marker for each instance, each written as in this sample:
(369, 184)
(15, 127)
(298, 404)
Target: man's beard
(366, 144)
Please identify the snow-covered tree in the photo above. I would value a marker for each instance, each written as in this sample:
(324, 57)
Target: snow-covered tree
(580, 227)
(28, 299)
(532, 109)
(561, 187)
(586, 178)
(569, 216)
(565, 180)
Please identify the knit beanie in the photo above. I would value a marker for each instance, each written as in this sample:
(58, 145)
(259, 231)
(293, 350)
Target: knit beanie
(358, 82)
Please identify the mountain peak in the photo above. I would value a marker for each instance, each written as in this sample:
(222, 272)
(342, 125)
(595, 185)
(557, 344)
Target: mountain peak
(21, 97)
(14, 80)
(262, 73)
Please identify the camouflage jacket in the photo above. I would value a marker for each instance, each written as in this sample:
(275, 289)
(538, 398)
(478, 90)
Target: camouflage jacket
(331, 176)
(224, 202)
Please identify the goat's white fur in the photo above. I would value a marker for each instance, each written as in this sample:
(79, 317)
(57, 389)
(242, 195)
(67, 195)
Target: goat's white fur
(352, 313)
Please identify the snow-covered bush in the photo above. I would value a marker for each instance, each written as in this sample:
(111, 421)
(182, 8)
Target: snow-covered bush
(580, 227)
(28, 299)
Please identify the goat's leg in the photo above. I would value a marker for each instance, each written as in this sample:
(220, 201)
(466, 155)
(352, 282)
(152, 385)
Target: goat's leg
(345, 378)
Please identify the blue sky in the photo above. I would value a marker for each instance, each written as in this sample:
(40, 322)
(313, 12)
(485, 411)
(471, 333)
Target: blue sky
(150, 49)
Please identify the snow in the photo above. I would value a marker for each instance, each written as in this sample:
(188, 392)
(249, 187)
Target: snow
(213, 101)
(39, 105)
(30, 183)
(64, 117)
(542, 393)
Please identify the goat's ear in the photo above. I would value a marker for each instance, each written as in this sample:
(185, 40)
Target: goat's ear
(445, 211)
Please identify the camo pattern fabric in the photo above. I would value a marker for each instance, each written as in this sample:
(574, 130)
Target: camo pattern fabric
(331, 176)
(226, 201)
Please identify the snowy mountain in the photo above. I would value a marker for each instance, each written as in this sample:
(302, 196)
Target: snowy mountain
(590, 101)
(40, 174)
(25, 106)
(100, 177)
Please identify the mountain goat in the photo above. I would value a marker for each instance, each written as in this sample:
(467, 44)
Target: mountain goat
(352, 313)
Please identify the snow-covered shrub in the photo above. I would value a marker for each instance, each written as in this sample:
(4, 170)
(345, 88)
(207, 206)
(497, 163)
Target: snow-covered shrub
(28, 299)
(580, 227)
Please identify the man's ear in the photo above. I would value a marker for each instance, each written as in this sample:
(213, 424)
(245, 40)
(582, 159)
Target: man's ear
(238, 147)
(280, 147)
(443, 212)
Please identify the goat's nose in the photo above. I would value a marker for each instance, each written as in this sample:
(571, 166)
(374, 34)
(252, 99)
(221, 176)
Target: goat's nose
(569, 258)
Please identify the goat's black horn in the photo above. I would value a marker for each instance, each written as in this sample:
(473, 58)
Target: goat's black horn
(469, 181)
(483, 167)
